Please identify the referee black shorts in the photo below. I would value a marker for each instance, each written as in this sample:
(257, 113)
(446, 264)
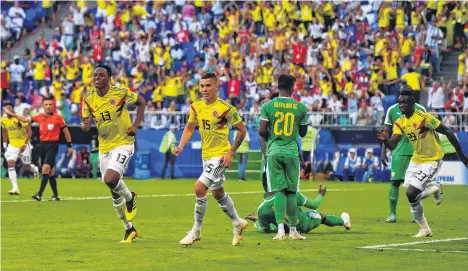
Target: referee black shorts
(49, 151)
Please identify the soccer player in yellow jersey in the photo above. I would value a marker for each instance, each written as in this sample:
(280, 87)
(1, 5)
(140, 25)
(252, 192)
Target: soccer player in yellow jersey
(18, 133)
(420, 128)
(107, 105)
(213, 117)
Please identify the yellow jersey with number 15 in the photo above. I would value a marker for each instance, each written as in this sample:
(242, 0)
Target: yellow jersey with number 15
(213, 123)
(111, 116)
(419, 129)
(17, 131)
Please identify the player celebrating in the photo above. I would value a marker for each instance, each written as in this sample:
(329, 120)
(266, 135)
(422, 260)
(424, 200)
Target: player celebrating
(107, 105)
(19, 133)
(308, 219)
(213, 116)
(281, 121)
(401, 157)
(419, 127)
(50, 125)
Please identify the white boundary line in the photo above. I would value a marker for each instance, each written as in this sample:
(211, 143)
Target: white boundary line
(393, 246)
(169, 195)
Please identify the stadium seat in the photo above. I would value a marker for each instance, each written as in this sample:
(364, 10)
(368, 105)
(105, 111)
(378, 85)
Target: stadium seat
(40, 12)
(29, 26)
(361, 152)
(378, 152)
(30, 15)
(388, 101)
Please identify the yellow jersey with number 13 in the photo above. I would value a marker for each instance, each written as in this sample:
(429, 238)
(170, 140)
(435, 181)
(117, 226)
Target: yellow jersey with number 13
(111, 116)
(213, 123)
(419, 129)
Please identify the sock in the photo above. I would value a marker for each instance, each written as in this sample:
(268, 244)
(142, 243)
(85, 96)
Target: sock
(34, 169)
(199, 212)
(292, 230)
(12, 176)
(122, 190)
(280, 207)
(227, 205)
(393, 195)
(291, 209)
(333, 220)
(281, 228)
(417, 210)
(45, 179)
(119, 207)
(53, 185)
(428, 191)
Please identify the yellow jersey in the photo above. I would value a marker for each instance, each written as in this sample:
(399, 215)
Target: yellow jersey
(213, 121)
(17, 131)
(461, 64)
(419, 129)
(412, 79)
(111, 116)
(87, 72)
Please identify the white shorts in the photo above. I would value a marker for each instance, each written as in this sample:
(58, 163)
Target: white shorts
(422, 175)
(117, 159)
(12, 153)
(213, 173)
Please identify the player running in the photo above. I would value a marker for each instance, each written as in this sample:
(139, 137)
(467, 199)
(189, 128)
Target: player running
(50, 125)
(18, 133)
(420, 127)
(213, 117)
(107, 105)
(281, 121)
(308, 219)
(401, 157)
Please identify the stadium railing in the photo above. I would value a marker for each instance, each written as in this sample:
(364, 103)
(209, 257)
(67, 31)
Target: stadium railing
(345, 120)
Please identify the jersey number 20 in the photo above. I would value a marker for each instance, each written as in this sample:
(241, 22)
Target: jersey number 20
(288, 124)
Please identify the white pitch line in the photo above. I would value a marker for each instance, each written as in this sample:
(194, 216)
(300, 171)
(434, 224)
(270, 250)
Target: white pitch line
(415, 243)
(169, 195)
(424, 250)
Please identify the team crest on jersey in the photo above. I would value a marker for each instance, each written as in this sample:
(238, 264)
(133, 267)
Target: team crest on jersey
(215, 114)
(112, 102)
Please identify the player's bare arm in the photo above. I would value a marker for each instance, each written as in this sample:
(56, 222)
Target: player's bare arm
(18, 117)
(263, 132)
(68, 138)
(241, 133)
(388, 130)
(186, 135)
(391, 143)
(302, 130)
(140, 102)
(28, 137)
(454, 141)
(4, 137)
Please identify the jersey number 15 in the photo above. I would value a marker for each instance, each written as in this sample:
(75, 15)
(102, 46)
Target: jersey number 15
(287, 121)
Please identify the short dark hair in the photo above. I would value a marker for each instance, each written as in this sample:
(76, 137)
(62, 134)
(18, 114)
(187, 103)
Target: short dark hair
(286, 82)
(208, 75)
(8, 104)
(107, 68)
(50, 98)
(406, 90)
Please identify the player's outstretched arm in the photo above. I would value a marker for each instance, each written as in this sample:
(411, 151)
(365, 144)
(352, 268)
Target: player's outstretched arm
(391, 143)
(388, 130)
(454, 141)
(18, 117)
(186, 135)
(140, 102)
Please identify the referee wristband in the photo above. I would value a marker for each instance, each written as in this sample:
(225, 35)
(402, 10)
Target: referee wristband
(70, 145)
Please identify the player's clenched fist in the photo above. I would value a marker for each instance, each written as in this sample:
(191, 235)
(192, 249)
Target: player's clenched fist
(382, 135)
(131, 131)
(177, 150)
(227, 159)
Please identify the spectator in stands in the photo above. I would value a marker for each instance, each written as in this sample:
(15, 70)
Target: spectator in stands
(365, 114)
(450, 154)
(167, 146)
(17, 72)
(242, 155)
(68, 32)
(370, 164)
(21, 107)
(436, 96)
(83, 164)
(65, 167)
(352, 163)
(5, 35)
(17, 17)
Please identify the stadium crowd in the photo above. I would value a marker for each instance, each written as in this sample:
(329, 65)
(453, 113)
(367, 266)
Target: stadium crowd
(347, 56)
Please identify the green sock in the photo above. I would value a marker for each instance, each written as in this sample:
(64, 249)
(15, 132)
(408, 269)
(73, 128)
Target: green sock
(333, 220)
(393, 194)
(280, 207)
(291, 209)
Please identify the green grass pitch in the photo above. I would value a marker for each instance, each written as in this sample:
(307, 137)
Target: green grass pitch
(82, 232)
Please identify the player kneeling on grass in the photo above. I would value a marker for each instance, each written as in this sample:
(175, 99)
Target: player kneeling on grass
(420, 127)
(18, 133)
(213, 117)
(107, 105)
(308, 219)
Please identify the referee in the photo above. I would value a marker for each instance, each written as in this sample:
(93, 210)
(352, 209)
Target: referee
(50, 125)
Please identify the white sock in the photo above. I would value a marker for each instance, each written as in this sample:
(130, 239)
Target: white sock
(12, 175)
(428, 191)
(119, 207)
(417, 210)
(34, 169)
(281, 228)
(122, 190)
(227, 205)
(292, 230)
(199, 212)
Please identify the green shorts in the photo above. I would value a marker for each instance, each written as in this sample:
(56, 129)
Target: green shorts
(399, 165)
(282, 173)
